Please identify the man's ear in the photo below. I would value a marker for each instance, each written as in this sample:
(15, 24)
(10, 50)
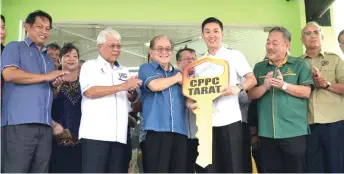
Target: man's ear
(27, 26)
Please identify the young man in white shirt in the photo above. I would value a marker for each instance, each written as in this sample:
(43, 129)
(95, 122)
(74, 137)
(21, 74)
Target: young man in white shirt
(105, 106)
(228, 136)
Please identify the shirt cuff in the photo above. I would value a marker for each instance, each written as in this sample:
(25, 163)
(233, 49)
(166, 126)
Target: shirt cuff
(148, 80)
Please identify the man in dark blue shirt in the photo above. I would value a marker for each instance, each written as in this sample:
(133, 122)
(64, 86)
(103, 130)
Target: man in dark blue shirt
(27, 98)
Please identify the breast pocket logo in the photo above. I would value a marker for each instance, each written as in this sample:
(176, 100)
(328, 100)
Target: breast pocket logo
(123, 76)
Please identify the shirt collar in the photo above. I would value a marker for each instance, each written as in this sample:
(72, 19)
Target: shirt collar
(286, 60)
(29, 42)
(156, 65)
(106, 63)
(219, 50)
(322, 53)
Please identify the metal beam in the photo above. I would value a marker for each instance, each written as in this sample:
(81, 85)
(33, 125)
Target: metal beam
(84, 37)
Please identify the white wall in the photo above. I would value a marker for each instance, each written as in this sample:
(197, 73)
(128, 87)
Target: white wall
(338, 16)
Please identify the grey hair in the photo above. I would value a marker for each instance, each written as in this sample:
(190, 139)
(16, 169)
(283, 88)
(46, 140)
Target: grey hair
(284, 31)
(312, 23)
(102, 36)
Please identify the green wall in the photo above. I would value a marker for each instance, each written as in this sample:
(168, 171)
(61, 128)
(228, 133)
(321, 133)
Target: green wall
(244, 12)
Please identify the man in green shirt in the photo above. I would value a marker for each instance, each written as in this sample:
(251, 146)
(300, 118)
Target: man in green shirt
(284, 84)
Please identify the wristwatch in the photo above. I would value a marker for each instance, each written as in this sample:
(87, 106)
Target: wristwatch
(328, 85)
(241, 87)
(132, 91)
(285, 86)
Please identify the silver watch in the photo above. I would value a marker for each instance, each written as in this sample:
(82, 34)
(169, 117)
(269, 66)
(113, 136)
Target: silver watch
(285, 86)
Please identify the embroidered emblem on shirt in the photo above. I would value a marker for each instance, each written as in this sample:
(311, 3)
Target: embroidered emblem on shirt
(289, 72)
(122, 76)
(324, 63)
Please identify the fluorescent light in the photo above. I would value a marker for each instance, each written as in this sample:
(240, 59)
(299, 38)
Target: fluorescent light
(147, 44)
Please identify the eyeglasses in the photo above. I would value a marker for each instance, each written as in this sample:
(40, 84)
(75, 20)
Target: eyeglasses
(161, 50)
(113, 46)
(310, 33)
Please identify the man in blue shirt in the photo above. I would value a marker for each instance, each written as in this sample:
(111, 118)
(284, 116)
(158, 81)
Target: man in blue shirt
(54, 51)
(163, 111)
(27, 99)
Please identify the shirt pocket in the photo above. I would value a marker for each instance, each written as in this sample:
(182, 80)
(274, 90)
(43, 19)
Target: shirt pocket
(31, 62)
(105, 79)
(261, 79)
(290, 78)
(329, 73)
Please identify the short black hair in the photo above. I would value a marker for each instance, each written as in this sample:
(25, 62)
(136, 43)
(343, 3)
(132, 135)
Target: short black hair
(184, 49)
(31, 18)
(68, 47)
(82, 61)
(284, 31)
(3, 18)
(54, 46)
(152, 42)
(212, 20)
(341, 33)
(148, 58)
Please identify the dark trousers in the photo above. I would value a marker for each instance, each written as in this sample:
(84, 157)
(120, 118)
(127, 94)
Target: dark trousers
(165, 152)
(192, 154)
(285, 155)
(258, 159)
(229, 153)
(127, 156)
(66, 159)
(102, 156)
(2, 148)
(27, 148)
(143, 152)
(247, 147)
(325, 150)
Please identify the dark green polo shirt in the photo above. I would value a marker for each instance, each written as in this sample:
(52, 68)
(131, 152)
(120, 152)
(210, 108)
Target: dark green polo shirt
(281, 115)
